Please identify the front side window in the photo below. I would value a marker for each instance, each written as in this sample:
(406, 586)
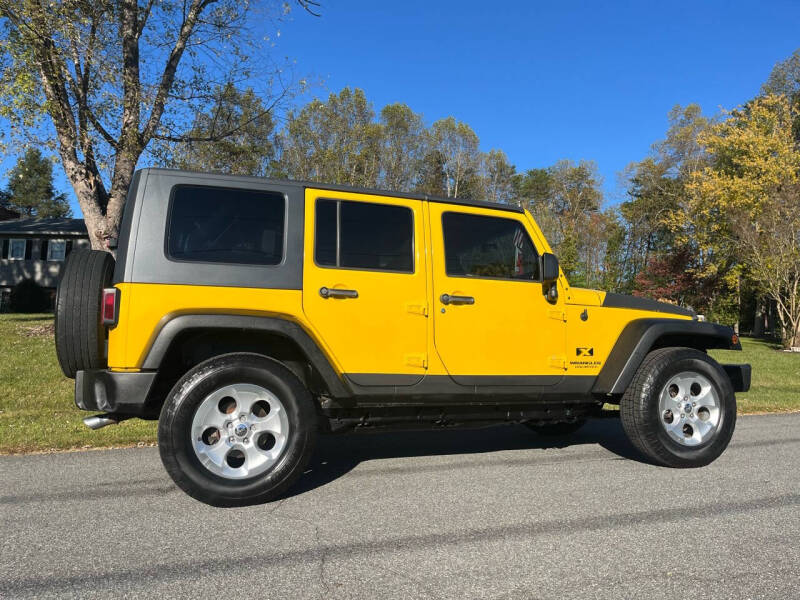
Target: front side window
(224, 225)
(16, 249)
(364, 235)
(491, 247)
(56, 250)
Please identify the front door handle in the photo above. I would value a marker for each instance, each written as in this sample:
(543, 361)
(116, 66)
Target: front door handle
(448, 299)
(337, 293)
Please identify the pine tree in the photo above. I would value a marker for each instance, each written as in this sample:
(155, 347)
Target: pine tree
(30, 188)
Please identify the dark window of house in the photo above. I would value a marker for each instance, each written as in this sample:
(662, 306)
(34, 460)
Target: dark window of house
(363, 235)
(477, 246)
(226, 225)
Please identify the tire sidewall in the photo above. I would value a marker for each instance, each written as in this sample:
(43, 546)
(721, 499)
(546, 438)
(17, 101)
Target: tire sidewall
(176, 444)
(80, 336)
(709, 450)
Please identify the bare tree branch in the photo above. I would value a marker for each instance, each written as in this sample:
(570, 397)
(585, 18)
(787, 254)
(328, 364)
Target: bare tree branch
(168, 76)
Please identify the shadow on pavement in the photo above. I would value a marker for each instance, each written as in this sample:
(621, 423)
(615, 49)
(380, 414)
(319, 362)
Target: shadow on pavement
(337, 455)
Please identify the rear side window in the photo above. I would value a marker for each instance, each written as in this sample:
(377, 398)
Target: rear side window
(364, 235)
(478, 246)
(225, 225)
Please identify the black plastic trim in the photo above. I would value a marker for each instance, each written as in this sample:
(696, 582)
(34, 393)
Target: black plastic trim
(112, 392)
(282, 327)
(381, 380)
(739, 376)
(482, 389)
(642, 335)
(613, 300)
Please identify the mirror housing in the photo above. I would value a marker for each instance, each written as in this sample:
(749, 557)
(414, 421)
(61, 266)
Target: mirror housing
(549, 267)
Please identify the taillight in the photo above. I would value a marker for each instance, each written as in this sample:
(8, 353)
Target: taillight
(110, 296)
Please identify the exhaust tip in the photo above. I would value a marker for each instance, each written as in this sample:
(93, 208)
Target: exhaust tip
(100, 421)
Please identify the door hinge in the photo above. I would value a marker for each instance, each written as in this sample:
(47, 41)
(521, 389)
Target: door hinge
(558, 315)
(417, 360)
(559, 362)
(417, 309)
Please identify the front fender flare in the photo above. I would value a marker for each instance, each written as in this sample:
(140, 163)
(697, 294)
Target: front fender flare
(642, 335)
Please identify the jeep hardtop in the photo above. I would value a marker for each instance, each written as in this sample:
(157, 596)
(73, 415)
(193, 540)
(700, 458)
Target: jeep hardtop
(251, 315)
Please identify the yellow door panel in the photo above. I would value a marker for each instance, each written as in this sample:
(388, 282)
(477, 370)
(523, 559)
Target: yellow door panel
(364, 284)
(490, 316)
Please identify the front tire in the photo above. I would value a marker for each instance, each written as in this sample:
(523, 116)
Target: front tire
(237, 429)
(680, 408)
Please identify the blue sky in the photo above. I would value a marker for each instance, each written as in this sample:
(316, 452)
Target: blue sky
(546, 81)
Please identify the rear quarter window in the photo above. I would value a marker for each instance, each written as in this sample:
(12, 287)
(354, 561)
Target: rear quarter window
(226, 225)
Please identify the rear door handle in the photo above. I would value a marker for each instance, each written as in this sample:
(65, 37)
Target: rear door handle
(337, 293)
(448, 299)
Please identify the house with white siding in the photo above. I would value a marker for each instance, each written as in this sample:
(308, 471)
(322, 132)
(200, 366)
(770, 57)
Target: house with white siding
(36, 249)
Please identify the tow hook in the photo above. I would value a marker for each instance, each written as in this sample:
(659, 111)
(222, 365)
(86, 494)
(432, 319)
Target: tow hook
(100, 421)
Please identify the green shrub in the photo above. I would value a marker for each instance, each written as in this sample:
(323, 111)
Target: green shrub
(29, 297)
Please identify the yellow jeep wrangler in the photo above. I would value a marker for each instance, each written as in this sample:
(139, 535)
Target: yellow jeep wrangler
(250, 315)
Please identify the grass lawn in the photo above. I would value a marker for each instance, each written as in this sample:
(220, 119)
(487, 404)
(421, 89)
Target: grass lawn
(776, 376)
(37, 410)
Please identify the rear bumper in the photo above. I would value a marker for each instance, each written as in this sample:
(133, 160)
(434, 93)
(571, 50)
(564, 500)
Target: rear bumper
(111, 392)
(739, 376)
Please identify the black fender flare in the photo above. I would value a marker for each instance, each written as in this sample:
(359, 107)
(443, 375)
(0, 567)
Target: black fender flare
(639, 337)
(276, 325)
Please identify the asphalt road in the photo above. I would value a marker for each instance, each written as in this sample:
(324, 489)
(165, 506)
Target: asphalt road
(492, 513)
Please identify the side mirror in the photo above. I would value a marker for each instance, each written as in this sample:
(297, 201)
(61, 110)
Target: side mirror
(549, 267)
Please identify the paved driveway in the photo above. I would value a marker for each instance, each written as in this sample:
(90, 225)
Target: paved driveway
(492, 513)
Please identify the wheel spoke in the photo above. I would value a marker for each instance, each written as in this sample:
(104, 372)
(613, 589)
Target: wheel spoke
(702, 428)
(705, 397)
(243, 400)
(216, 453)
(209, 415)
(254, 457)
(273, 453)
(271, 423)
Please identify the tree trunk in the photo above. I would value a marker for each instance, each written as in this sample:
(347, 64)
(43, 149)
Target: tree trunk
(770, 317)
(758, 321)
(124, 168)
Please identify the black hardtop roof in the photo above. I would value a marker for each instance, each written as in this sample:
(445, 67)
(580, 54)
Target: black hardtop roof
(339, 188)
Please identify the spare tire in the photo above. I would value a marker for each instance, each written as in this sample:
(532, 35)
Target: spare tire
(80, 334)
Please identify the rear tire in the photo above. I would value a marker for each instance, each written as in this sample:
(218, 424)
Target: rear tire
(80, 334)
(680, 408)
(211, 437)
